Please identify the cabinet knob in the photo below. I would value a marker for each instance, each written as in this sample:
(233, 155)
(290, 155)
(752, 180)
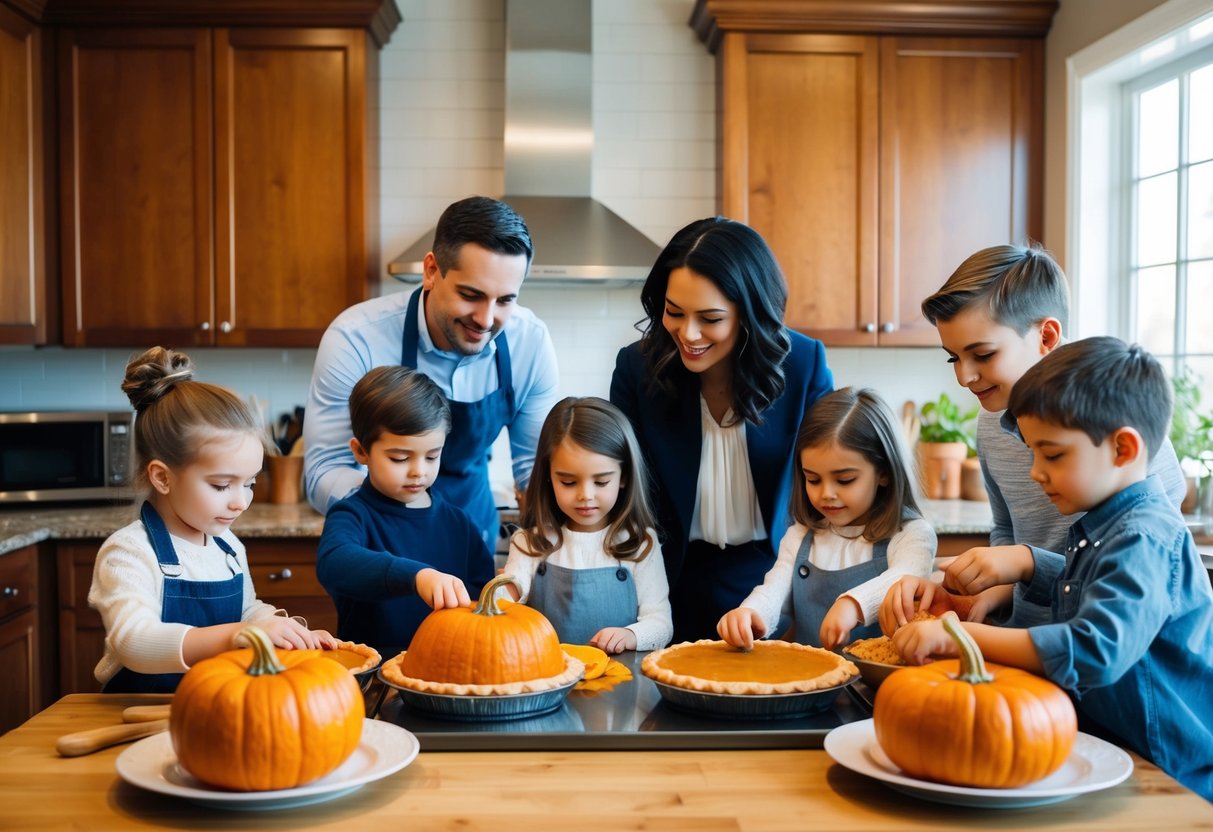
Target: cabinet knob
(284, 575)
(10, 592)
(205, 326)
(887, 326)
(869, 327)
(226, 326)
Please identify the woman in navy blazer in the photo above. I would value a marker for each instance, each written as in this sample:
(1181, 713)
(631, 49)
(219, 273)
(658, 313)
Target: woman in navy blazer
(715, 343)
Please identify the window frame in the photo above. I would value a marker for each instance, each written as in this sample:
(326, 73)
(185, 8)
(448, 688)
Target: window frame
(1127, 276)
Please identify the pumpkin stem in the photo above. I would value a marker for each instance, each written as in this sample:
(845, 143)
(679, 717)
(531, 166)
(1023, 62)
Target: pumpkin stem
(487, 605)
(972, 663)
(265, 659)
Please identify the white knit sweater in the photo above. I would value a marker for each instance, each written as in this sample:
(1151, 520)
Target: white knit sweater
(911, 552)
(127, 590)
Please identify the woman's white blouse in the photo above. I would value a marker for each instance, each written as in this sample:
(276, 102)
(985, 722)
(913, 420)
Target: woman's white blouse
(726, 504)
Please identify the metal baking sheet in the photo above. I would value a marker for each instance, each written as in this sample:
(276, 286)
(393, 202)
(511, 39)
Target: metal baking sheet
(631, 715)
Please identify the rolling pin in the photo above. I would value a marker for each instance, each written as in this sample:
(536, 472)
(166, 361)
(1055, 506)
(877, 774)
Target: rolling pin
(94, 739)
(145, 713)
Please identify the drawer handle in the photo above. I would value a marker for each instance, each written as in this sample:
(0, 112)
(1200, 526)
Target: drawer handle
(284, 575)
(10, 592)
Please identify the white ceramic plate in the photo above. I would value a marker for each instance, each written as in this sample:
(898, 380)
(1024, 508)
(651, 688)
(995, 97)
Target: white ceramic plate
(1092, 765)
(385, 748)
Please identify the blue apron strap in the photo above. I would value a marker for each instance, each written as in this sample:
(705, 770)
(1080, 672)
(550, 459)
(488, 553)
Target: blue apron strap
(505, 373)
(232, 563)
(408, 343)
(162, 545)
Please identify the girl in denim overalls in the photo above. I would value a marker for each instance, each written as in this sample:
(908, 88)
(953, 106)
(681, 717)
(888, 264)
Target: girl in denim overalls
(857, 530)
(588, 557)
(173, 587)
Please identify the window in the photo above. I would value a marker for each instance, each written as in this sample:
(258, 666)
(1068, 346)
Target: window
(1167, 244)
(1139, 186)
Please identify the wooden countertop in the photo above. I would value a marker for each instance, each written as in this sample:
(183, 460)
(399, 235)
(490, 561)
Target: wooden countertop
(533, 791)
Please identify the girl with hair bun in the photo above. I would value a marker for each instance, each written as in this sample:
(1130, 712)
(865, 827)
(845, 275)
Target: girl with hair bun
(173, 587)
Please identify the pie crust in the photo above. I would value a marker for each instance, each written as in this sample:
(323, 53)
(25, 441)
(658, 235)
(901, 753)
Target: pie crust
(574, 668)
(771, 667)
(357, 658)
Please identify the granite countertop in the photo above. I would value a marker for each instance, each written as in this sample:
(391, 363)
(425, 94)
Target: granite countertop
(26, 525)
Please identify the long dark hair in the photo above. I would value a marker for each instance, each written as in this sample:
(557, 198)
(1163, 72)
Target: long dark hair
(736, 259)
(598, 426)
(860, 421)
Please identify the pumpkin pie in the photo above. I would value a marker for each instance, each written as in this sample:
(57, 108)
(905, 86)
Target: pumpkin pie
(358, 658)
(490, 649)
(771, 667)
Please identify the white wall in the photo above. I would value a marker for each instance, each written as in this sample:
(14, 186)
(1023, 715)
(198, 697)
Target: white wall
(1077, 24)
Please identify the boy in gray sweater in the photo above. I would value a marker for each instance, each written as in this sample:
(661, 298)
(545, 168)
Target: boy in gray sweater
(999, 313)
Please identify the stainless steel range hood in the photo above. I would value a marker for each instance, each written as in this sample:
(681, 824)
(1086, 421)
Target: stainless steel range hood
(549, 144)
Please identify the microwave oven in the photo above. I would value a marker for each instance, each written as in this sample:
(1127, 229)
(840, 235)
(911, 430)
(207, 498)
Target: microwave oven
(80, 455)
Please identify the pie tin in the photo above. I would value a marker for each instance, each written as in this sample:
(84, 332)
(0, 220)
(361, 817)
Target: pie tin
(751, 706)
(872, 673)
(490, 708)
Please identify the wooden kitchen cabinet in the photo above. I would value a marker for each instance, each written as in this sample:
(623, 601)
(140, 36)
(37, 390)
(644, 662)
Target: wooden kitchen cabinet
(283, 571)
(874, 158)
(19, 637)
(216, 183)
(81, 633)
(29, 310)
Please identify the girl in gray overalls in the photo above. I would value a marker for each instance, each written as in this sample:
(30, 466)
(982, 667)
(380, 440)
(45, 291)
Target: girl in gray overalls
(857, 530)
(588, 556)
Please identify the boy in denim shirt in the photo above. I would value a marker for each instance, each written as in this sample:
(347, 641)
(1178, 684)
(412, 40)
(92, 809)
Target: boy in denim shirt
(1132, 631)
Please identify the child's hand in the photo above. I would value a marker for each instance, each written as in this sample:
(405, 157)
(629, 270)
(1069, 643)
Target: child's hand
(986, 603)
(983, 567)
(902, 601)
(327, 640)
(918, 641)
(614, 640)
(842, 617)
(740, 627)
(288, 633)
(441, 590)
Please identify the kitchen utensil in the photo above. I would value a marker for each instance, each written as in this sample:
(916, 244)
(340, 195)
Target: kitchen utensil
(94, 739)
(146, 713)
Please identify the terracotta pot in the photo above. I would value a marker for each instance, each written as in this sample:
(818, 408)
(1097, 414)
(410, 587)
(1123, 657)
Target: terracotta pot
(972, 484)
(941, 468)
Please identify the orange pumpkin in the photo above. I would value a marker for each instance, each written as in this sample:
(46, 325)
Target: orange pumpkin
(254, 719)
(486, 644)
(969, 724)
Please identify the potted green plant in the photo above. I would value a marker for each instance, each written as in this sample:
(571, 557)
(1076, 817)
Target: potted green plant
(1192, 437)
(947, 436)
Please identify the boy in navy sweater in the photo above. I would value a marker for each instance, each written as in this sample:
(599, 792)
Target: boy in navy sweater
(393, 550)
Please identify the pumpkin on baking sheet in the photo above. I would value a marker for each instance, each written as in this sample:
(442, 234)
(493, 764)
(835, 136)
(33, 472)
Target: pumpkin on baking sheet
(971, 724)
(487, 649)
(256, 719)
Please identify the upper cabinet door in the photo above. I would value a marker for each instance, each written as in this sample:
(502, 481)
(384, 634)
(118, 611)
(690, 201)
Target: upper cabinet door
(961, 148)
(28, 308)
(800, 166)
(291, 207)
(135, 168)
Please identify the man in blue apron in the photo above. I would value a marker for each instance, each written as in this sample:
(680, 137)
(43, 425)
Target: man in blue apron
(463, 328)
